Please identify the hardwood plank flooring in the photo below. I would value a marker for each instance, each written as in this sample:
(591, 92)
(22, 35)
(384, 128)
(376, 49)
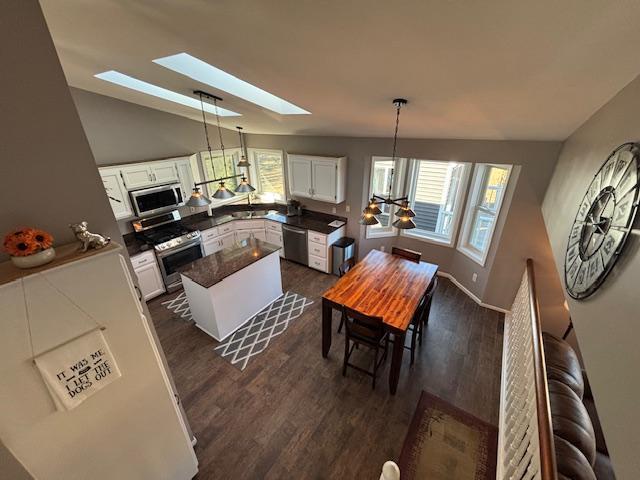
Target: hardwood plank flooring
(291, 413)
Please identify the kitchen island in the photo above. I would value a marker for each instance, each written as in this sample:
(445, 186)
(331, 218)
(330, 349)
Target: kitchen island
(229, 287)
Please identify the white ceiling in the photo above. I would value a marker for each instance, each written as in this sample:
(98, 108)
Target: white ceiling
(494, 69)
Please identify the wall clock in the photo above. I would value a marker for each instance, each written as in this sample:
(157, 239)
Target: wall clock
(603, 222)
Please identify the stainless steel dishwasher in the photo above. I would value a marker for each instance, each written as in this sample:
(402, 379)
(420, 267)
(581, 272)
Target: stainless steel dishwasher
(295, 244)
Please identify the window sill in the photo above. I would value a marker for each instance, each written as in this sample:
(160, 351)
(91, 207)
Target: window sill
(479, 258)
(370, 233)
(423, 238)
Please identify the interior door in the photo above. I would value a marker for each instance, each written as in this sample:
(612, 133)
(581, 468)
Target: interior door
(117, 193)
(324, 174)
(164, 172)
(300, 176)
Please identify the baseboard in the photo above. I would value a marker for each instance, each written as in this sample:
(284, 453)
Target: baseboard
(469, 293)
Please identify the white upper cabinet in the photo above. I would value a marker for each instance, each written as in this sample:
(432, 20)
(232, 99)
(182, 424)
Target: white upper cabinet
(164, 172)
(319, 178)
(116, 192)
(185, 175)
(136, 176)
(300, 181)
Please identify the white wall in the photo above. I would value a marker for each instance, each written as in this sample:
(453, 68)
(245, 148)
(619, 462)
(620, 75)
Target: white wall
(608, 323)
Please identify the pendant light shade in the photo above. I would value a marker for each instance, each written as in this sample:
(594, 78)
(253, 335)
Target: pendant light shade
(244, 186)
(197, 199)
(223, 192)
(373, 208)
(404, 223)
(405, 211)
(368, 219)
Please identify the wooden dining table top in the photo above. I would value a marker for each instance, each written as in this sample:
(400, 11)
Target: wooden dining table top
(384, 285)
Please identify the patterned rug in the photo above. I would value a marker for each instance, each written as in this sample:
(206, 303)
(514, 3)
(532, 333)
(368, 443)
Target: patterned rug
(255, 335)
(446, 443)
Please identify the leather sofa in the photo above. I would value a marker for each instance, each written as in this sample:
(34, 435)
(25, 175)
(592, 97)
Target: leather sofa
(581, 452)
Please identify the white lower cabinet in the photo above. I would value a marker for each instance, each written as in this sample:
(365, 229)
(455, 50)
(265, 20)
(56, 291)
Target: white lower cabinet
(228, 239)
(275, 238)
(258, 233)
(319, 248)
(149, 277)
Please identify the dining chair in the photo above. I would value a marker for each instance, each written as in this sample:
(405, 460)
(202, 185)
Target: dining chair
(342, 270)
(406, 253)
(361, 329)
(420, 319)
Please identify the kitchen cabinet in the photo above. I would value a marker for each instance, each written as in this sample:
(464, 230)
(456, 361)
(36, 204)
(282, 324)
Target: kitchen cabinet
(136, 176)
(319, 248)
(185, 176)
(116, 192)
(228, 239)
(275, 238)
(318, 178)
(258, 233)
(146, 269)
(214, 239)
(164, 172)
(149, 173)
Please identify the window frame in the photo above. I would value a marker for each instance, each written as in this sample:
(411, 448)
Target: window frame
(458, 212)
(212, 187)
(399, 175)
(478, 186)
(253, 171)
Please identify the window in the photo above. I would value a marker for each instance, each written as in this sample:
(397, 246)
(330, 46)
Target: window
(436, 191)
(214, 167)
(486, 197)
(379, 185)
(267, 174)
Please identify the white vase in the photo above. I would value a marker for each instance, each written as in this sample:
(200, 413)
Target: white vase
(35, 260)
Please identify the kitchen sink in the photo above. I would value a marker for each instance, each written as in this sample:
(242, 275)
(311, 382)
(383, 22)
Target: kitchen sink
(250, 214)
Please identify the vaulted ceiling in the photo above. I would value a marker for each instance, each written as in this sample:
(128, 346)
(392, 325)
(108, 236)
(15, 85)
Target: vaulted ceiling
(498, 69)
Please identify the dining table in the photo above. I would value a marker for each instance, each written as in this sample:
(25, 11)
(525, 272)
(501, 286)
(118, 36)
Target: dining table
(380, 285)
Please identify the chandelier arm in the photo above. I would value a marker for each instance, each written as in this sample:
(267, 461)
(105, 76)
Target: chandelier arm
(206, 133)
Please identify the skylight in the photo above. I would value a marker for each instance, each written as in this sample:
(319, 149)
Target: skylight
(203, 72)
(150, 89)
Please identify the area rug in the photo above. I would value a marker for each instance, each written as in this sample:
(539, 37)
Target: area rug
(446, 443)
(255, 335)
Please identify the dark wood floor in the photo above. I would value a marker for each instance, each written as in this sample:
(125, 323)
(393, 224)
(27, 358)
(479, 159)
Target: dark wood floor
(291, 414)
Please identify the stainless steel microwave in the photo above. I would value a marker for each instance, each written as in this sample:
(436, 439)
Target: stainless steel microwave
(149, 201)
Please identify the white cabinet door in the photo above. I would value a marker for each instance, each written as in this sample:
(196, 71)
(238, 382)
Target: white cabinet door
(212, 246)
(275, 238)
(185, 176)
(324, 173)
(260, 234)
(116, 192)
(228, 240)
(137, 176)
(150, 280)
(300, 176)
(164, 172)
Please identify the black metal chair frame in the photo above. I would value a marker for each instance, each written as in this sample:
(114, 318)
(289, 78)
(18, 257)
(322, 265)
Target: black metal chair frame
(361, 329)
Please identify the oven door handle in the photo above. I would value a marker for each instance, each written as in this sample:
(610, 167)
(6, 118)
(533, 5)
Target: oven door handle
(183, 247)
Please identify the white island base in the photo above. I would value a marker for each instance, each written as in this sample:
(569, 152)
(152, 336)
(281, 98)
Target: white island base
(224, 307)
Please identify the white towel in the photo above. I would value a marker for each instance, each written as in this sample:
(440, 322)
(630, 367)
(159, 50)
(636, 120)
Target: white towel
(76, 370)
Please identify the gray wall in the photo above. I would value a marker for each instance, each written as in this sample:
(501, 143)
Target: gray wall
(49, 176)
(122, 132)
(520, 232)
(607, 324)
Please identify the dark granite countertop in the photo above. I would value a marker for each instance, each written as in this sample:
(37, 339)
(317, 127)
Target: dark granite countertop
(309, 220)
(212, 269)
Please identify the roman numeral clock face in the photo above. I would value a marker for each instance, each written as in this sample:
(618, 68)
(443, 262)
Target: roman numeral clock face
(604, 220)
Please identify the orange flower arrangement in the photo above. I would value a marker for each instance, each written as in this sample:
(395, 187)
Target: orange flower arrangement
(27, 241)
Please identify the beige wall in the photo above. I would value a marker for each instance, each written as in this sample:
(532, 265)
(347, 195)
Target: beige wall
(607, 324)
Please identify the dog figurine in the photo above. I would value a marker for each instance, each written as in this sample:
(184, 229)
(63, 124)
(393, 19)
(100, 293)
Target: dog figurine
(88, 239)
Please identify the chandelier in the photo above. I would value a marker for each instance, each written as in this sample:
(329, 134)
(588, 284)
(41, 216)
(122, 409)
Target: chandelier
(405, 214)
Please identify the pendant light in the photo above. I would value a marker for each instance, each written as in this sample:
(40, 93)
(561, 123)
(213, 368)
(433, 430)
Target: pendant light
(244, 186)
(243, 153)
(197, 199)
(405, 214)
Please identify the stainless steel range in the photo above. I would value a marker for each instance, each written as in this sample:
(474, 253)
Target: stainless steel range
(175, 245)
